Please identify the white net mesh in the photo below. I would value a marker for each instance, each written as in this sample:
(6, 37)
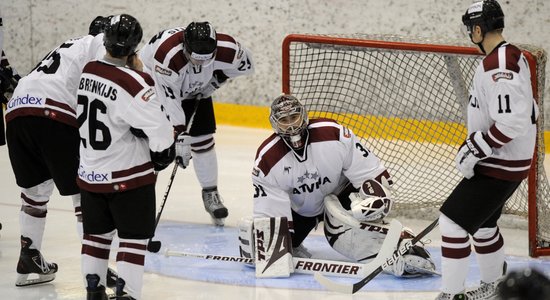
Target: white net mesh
(409, 107)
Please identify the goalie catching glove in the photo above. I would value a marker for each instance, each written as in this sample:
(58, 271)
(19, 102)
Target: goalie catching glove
(371, 203)
(474, 149)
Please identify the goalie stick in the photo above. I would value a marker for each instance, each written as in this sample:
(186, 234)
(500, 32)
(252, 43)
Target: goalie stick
(386, 257)
(301, 265)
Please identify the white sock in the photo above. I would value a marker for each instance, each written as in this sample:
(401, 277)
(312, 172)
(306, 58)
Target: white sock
(489, 247)
(455, 252)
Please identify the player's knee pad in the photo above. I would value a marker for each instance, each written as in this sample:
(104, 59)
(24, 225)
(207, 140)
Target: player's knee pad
(371, 203)
(34, 200)
(348, 236)
(486, 233)
(449, 228)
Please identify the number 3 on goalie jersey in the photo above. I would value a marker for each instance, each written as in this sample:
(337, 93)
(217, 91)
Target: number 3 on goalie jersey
(259, 191)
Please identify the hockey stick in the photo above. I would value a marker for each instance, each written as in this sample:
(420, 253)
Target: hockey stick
(386, 257)
(301, 265)
(154, 246)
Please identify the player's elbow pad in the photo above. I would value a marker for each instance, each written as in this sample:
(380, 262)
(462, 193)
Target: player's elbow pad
(162, 159)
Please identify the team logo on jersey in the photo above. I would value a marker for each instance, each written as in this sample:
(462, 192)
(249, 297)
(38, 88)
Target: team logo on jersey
(503, 75)
(147, 95)
(255, 171)
(25, 101)
(163, 71)
(347, 133)
(310, 182)
(287, 169)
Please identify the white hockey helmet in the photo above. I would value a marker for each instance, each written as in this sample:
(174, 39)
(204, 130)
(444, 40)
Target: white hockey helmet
(288, 118)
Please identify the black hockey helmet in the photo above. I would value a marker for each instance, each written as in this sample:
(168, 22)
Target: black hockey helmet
(487, 14)
(200, 42)
(122, 35)
(524, 284)
(98, 25)
(288, 118)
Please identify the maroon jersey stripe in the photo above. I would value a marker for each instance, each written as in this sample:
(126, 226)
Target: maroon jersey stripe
(509, 163)
(60, 105)
(177, 62)
(174, 41)
(501, 137)
(137, 169)
(322, 134)
(513, 55)
(273, 155)
(490, 62)
(225, 54)
(225, 38)
(502, 174)
(115, 75)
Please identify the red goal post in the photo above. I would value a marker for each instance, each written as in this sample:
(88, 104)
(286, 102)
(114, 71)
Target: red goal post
(405, 97)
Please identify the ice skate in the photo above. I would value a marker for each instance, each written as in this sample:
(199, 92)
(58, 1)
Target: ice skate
(120, 294)
(30, 262)
(95, 291)
(445, 296)
(112, 276)
(214, 206)
(486, 291)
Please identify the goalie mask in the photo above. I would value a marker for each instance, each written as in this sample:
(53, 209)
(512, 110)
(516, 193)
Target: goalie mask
(200, 43)
(288, 118)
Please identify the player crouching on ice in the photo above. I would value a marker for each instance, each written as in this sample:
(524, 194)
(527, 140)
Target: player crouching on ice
(317, 170)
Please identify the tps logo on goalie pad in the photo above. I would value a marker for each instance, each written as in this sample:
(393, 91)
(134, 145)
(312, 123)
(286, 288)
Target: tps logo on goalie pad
(273, 257)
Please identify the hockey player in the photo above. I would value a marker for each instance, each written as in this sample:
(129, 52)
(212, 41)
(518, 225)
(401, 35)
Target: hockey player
(43, 139)
(317, 170)
(188, 65)
(8, 82)
(117, 168)
(494, 159)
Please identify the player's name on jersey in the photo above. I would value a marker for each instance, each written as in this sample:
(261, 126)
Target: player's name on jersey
(25, 100)
(99, 88)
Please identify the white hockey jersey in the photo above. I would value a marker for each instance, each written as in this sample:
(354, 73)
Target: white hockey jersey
(502, 106)
(177, 79)
(282, 181)
(49, 90)
(111, 100)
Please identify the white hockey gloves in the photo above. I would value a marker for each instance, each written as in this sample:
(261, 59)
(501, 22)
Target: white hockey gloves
(183, 150)
(474, 149)
(372, 203)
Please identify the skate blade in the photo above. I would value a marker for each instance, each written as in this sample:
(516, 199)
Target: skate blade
(23, 279)
(218, 222)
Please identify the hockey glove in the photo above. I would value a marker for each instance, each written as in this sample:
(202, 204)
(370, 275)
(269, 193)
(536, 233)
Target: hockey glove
(474, 149)
(161, 160)
(183, 151)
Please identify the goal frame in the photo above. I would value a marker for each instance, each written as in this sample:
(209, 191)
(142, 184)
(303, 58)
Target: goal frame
(532, 214)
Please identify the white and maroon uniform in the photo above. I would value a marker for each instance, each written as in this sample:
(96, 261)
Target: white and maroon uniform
(112, 100)
(50, 89)
(282, 181)
(503, 107)
(176, 79)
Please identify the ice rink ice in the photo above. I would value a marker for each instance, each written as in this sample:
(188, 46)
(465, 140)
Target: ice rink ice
(185, 226)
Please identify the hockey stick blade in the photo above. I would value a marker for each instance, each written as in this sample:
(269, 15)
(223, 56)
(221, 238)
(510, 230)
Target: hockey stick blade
(301, 265)
(386, 257)
(392, 238)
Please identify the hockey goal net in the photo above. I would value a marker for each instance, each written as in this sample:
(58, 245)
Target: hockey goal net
(406, 99)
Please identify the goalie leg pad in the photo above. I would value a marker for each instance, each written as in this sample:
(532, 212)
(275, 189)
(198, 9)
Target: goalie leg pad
(246, 237)
(272, 254)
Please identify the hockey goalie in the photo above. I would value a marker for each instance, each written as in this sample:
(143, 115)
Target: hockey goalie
(311, 171)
